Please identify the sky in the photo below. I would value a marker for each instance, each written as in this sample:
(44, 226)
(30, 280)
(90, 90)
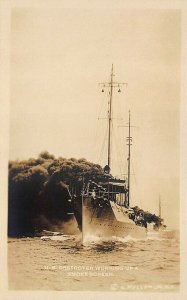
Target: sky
(58, 59)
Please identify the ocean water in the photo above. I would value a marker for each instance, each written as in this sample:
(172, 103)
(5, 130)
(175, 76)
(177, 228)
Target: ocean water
(62, 263)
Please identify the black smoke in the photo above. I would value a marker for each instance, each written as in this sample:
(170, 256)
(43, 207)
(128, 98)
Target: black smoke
(41, 189)
(148, 217)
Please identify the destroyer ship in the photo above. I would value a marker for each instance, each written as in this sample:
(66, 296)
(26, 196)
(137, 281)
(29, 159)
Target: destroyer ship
(104, 208)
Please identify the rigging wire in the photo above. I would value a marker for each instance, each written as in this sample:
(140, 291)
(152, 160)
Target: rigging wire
(119, 157)
(98, 129)
(136, 183)
(103, 146)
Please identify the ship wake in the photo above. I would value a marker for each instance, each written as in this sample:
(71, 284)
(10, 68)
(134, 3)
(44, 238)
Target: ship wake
(113, 243)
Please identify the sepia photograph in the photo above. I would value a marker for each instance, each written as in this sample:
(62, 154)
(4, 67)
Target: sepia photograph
(94, 149)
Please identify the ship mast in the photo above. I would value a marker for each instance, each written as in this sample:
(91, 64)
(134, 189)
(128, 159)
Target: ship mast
(159, 207)
(110, 117)
(129, 143)
(111, 85)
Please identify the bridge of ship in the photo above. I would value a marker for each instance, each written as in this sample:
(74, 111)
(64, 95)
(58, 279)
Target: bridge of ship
(113, 190)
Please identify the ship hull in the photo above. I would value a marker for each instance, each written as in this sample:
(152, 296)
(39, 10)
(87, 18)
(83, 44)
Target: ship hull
(108, 220)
